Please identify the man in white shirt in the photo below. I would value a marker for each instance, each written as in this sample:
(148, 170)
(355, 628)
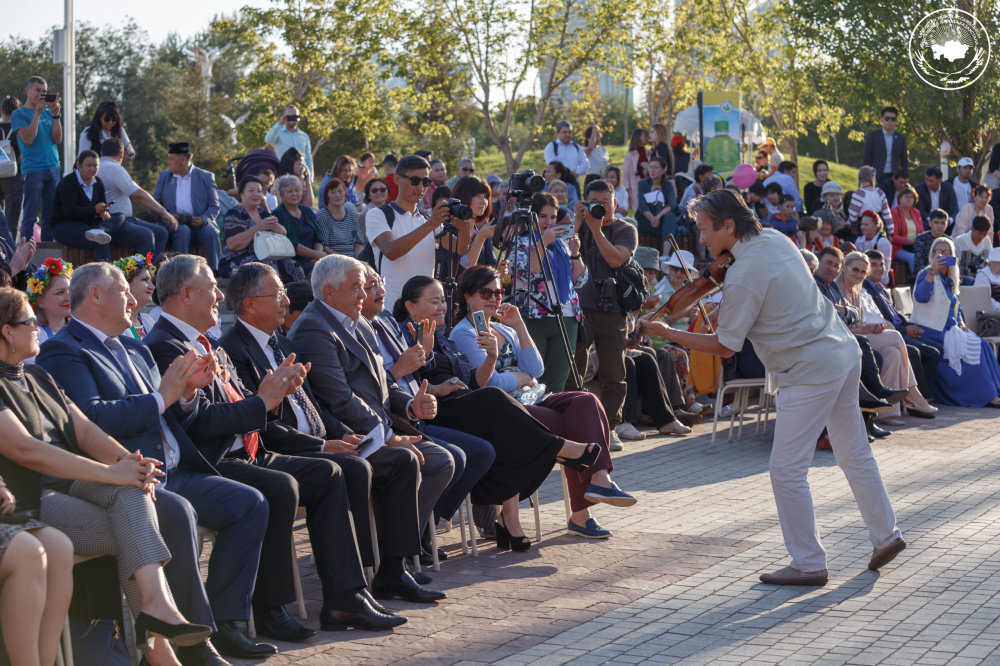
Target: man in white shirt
(973, 249)
(121, 189)
(286, 134)
(962, 183)
(405, 246)
(774, 156)
(564, 149)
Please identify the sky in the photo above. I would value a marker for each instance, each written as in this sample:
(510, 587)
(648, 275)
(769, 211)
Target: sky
(158, 19)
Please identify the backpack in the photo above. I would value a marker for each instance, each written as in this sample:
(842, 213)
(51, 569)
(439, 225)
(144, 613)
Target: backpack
(368, 253)
(8, 161)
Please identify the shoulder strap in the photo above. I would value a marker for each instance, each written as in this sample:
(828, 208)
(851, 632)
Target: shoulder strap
(555, 147)
(390, 214)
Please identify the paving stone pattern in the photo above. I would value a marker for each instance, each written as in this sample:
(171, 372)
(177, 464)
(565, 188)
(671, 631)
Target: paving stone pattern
(678, 581)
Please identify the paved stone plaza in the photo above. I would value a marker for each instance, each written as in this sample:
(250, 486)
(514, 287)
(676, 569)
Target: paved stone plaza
(678, 581)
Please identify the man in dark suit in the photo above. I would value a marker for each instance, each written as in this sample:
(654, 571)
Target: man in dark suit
(935, 193)
(255, 347)
(114, 380)
(227, 429)
(885, 150)
(353, 392)
(185, 190)
(924, 356)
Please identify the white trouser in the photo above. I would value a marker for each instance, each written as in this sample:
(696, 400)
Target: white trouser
(802, 412)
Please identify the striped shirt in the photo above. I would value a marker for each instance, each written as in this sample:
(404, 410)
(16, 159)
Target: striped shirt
(340, 235)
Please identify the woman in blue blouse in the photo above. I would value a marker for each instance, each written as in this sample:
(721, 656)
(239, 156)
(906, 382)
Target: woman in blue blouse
(655, 214)
(936, 310)
(575, 415)
(568, 274)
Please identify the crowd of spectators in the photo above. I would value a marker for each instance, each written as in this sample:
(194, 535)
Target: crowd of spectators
(386, 354)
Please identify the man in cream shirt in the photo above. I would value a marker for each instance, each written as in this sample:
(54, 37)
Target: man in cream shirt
(770, 298)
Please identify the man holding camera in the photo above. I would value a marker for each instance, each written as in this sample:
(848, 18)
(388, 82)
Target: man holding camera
(286, 134)
(403, 239)
(38, 126)
(189, 194)
(605, 244)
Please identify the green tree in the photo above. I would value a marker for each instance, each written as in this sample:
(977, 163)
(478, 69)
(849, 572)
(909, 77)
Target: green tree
(505, 43)
(867, 66)
(668, 65)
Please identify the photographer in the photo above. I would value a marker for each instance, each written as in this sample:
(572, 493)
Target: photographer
(474, 192)
(405, 246)
(605, 244)
(286, 134)
(568, 273)
(38, 126)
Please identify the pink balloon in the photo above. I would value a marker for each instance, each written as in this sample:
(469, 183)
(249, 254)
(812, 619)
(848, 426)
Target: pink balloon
(744, 176)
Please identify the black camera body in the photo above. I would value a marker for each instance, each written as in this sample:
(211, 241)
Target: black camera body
(50, 97)
(293, 117)
(526, 181)
(596, 210)
(608, 294)
(458, 209)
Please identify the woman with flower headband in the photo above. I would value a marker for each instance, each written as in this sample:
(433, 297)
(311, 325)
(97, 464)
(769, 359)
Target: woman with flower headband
(139, 271)
(48, 293)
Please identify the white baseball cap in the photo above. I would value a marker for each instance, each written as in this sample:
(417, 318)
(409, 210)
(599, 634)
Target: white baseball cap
(965, 161)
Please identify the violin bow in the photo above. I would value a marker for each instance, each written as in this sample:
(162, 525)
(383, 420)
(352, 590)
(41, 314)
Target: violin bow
(687, 271)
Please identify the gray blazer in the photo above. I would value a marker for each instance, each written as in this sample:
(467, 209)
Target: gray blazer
(350, 385)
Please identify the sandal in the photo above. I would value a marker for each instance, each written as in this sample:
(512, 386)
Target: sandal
(584, 461)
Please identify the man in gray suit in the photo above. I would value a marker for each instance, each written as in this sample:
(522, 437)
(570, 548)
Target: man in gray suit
(885, 150)
(353, 391)
(189, 194)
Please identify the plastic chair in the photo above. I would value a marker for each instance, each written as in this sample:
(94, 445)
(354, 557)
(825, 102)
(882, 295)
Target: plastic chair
(902, 298)
(976, 299)
(740, 388)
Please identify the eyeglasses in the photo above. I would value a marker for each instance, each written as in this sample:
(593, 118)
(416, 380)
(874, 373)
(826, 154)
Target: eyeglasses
(858, 270)
(468, 169)
(31, 322)
(378, 190)
(890, 118)
(488, 294)
(278, 295)
(417, 180)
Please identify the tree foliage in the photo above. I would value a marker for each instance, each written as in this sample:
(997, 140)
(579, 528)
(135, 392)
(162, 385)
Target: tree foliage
(668, 64)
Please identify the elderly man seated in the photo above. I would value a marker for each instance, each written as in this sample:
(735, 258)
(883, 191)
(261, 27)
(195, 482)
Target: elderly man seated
(352, 388)
(924, 356)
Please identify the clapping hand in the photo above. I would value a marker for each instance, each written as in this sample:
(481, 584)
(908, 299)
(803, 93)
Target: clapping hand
(22, 257)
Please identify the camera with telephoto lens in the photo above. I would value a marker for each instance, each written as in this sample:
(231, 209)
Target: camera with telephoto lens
(293, 117)
(527, 181)
(458, 209)
(596, 210)
(606, 289)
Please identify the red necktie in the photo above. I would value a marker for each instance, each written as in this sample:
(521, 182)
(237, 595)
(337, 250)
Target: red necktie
(251, 439)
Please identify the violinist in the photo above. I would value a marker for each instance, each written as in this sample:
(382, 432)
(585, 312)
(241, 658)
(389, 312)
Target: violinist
(770, 298)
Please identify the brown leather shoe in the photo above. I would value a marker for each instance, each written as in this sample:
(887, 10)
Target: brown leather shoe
(687, 418)
(791, 576)
(882, 556)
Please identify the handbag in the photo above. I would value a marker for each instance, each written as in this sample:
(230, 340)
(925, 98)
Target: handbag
(98, 643)
(269, 246)
(989, 324)
(8, 161)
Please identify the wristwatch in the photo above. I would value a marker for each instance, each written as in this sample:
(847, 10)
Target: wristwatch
(574, 257)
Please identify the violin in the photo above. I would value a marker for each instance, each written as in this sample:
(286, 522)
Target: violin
(682, 301)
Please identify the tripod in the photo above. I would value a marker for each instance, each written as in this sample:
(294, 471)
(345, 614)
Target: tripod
(448, 271)
(524, 223)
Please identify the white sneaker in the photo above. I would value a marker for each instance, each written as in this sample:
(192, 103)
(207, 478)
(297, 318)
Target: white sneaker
(97, 235)
(616, 444)
(627, 431)
(674, 428)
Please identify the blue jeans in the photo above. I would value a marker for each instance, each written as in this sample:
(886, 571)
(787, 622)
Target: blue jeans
(123, 233)
(207, 236)
(160, 234)
(473, 458)
(905, 256)
(39, 192)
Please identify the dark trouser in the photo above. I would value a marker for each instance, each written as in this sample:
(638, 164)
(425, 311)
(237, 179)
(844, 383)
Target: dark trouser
(548, 341)
(578, 417)
(287, 482)
(871, 362)
(888, 187)
(39, 192)
(609, 338)
(668, 371)
(924, 359)
(207, 236)
(238, 515)
(124, 234)
(650, 390)
(11, 196)
(395, 479)
(473, 457)
(160, 234)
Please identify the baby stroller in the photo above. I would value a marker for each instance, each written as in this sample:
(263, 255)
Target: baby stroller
(252, 163)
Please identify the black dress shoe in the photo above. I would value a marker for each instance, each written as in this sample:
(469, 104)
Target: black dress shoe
(892, 396)
(880, 432)
(232, 642)
(874, 406)
(331, 619)
(405, 588)
(420, 577)
(203, 654)
(147, 626)
(367, 596)
(276, 623)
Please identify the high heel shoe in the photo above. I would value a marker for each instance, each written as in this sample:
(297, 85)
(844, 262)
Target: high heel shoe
(584, 461)
(507, 541)
(184, 635)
